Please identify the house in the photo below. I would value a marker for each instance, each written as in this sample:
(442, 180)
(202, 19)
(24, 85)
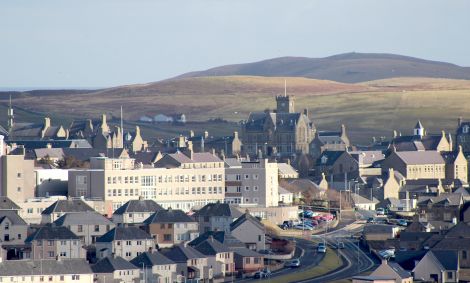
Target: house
(393, 269)
(282, 132)
(250, 231)
(156, 267)
(247, 261)
(226, 145)
(438, 266)
(13, 229)
(444, 207)
(462, 136)
(457, 239)
(363, 203)
(113, 268)
(380, 232)
(135, 211)
(191, 264)
(37, 131)
(216, 217)
(17, 176)
(88, 225)
(329, 140)
(134, 142)
(61, 207)
(225, 238)
(417, 164)
(126, 242)
(220, 257)
(97, 132)
(46, 270)
(7, 204)
(50, 242)
(373, 279)
(456, 165)
(170, 227)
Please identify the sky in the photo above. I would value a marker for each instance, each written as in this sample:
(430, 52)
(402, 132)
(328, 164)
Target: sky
(90, 44)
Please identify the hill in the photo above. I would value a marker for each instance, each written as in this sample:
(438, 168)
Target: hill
(368, 109)
(347, 68)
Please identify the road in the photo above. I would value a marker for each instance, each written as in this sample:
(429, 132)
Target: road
(307, 254)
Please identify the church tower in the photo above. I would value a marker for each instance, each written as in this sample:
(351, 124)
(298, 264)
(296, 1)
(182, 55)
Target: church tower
(285, 104)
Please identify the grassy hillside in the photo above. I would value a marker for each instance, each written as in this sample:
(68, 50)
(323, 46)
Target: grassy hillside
(368, 109)
(348, 68)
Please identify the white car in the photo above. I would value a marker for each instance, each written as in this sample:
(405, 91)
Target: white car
(321, 249)
(303, 227)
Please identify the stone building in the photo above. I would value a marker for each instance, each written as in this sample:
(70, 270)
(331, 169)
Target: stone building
(97, 132)
(282, 132)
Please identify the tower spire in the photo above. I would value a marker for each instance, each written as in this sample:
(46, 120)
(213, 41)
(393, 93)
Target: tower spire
(122, 130)
(285, 87)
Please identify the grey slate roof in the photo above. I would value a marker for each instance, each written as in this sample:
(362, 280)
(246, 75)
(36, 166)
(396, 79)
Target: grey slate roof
(443, 199)
(406, 259)
(7, 204)
(399, 270)
(218, 209)
(45, 267)
(124, 233)
(448, 259)
(151, 259)
(50, 232)
(12, 216)
(211, 247)
(110, 264)
(329, 156)
(181, 253)
(169, 216)
(138, 206)
(378, 228)
(68, 205)
(82, 218)
(225, 238)
(242, 219)
(421, 157)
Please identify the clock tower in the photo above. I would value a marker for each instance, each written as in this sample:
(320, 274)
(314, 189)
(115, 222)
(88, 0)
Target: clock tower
(285, 104)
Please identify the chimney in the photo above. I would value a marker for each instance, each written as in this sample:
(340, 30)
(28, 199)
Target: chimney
(213, 151)
(47, 122)
(191, 133)
(460, 120)
(395, 134)
(235, 135)
(306, 112)
(48, 145)
(206, 134)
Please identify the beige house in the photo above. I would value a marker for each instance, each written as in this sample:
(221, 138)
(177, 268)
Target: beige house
(50, 242)
(134, 141)
(13, 229)
(250, 231)
(115, 268)
(135, 211)
(329, 140)
(286, 171)
(220, 257)
(156, 267)
(178, 180)
(252, 183)
(438, 266)
(37, 131)
(88, 226)
(126, 242)
(97, 132)
(387, 268)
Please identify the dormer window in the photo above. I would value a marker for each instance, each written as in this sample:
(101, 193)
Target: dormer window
(324, 159)
(465, 129)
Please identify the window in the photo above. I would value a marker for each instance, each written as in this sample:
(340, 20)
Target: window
(50, 243)
(128, 253)
(97, 228)
(63, 254)
(18, 189)
(18, 175)
(80, 228)
(7, 226)
(464, 254)
(75, 277)
(255, 188)
(19, 237)
(167, 237)
(247, 188)
(238, 177)
(62, 278)
(450, 274)
(247, 176)
(128, 243)
(51, 254)
(255, 176)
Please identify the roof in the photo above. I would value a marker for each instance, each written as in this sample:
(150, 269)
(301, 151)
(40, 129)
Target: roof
(151, 259)
(415, 143)
(419, 125)
(6, 204)
(83, 218)
(283, 191)
(448, 259)
(124, 233)
(182, 253)
(225, 238)
(378, 228)
(358, 199)
(197, 157)
(421, 157)
(244, 218)
(233, 162)
(399, 270)
(244, 252)
(68, 205)
(110, 264)
(218, 209)
(169, 216)
(329, 157)
(44, 266)
(50, 232)
(285, 168)
(55, 144)
(211, 247)
(406, 259)
(442, 199)
(138, 206)
(367, 157)
(12, 216)
(375, 278)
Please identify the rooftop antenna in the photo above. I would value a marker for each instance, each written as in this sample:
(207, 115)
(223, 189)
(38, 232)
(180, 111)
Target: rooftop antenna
(285, 87)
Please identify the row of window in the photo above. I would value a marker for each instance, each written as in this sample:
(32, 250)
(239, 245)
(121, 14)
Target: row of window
(153, 192)
(51, 243)
(42, 278)
(152, 180)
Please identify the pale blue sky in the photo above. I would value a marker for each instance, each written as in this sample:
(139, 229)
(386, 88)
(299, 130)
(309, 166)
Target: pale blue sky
(90, 43)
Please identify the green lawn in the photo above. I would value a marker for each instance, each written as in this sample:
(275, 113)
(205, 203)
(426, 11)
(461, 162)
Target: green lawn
(328, 264)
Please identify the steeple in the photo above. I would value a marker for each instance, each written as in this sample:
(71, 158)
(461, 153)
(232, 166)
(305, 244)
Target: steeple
(419, 129)
(10, 117)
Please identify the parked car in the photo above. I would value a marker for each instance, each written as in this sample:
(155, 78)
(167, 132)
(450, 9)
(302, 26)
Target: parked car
(402, 222)
(267, 272)
(340, 245)
(371, 220)
(303, 227)
(258, 275)
(293, 263)
(380, 211)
